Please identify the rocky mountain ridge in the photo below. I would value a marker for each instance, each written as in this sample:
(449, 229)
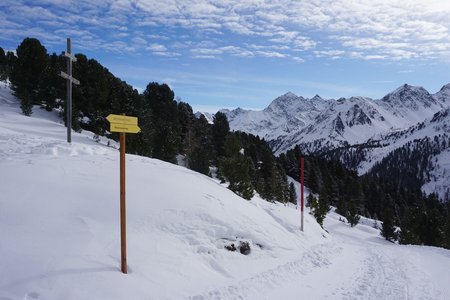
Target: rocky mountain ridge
(358, 131)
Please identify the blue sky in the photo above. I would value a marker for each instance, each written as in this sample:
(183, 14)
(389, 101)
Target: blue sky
(244, 53)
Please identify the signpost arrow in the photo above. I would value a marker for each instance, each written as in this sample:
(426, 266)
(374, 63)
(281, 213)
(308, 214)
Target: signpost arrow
(121, 119)
(120, 127)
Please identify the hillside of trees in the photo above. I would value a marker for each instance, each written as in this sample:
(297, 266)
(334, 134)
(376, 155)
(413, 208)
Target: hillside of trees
(423, 219)
(169, 129)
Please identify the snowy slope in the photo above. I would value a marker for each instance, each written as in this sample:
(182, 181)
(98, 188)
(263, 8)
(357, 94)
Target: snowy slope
(59, 228)
(436, 128)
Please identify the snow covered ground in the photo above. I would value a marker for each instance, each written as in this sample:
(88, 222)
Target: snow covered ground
(59, 232)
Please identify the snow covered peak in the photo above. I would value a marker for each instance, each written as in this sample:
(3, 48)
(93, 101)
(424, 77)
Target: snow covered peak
(235, 112)
(408, 95)
(289, 95)
(284, 102)
(345, 120)
(286, 114)
(411, 103)
(209, 116)
(446, 87)
(443, 95)
(317, 98)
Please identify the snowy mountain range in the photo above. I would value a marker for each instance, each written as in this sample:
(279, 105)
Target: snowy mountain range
(322, 125)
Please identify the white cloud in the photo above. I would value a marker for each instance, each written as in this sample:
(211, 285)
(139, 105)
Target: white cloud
(298, 59)
(139, 41)
(365, 29)
(333, 54)
(271, 54)
(157, 48)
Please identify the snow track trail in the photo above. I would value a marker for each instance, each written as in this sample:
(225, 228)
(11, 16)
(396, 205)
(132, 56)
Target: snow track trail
(347, 266)
(320, 256)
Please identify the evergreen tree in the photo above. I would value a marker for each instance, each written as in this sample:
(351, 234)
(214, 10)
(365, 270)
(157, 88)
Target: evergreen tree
(51, 85)
(446, 228)
(91, 101)
(199, 156)
(2, 57)
(3, 66)
(25, 102)
(31, 62)
(10, 62)
(341, 206)
(166, 127)
(387, 229)
(234, 167)
(220, 130)
(310, 200)
(320, 207)
(431, 234)
(408, 233)
(187, 123)
(292, 193)
(352, 213)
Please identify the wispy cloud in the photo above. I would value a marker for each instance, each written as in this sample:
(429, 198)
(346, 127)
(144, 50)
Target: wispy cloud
(388, 30)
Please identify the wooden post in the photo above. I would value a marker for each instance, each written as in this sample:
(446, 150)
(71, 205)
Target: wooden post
(302, 189)
(70, 80)
(69, 93)
(123, 124)
(123, 234)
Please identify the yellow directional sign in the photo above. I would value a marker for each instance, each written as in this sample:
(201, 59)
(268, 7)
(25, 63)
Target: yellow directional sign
(117, 127)
(119, 119)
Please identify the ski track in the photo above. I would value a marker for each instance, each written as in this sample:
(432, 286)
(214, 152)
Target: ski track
(315, 258)
(377, 273)
(376, 281)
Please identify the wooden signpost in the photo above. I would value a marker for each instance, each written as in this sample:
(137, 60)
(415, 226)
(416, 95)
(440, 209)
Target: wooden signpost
(70, 80)
(123, 124)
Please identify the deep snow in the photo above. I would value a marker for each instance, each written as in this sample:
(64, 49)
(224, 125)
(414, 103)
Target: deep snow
(59, 229)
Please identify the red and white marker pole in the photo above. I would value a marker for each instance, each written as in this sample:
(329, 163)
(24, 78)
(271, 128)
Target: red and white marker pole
(302, 189)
